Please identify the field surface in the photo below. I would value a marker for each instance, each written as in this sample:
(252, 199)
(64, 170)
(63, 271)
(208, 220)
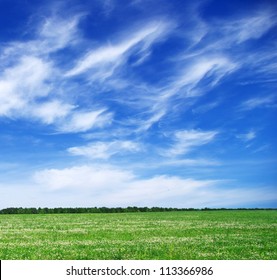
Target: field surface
(164, 235)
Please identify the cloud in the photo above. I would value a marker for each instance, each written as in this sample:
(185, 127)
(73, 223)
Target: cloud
(95, 178)
(56, 33)
(247, 136)
(189, 80)
(48, 36)
(35, 87)
(105, 150)
(136, 81)
(206, 107)
(202, 67)
(26, 91)
(111, 186)
(203, 74)
(35, 69)
(32, 86)
(190, 162)
(27, 82)
(159, 188)
(106, 59)
(251, 27)
(192, 72)
(50, 112)
(81, 121)
(187, 140)
(259, 102)
(22, 84)
(147, 123)
(219, 53)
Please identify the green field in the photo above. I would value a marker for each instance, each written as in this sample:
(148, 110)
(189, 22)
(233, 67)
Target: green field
(163, 235)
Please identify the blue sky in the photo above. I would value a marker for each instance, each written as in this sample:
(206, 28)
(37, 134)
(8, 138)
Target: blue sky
(145, 103)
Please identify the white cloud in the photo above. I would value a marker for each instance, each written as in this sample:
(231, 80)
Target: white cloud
(199, 69)
(50, 36)
(30, 73)
(26, 91)
(56, 33)
(247, 136)
(219, 52)
(96, 178)
(38, 81)
(28, 76)
(202, 67)
(259, 102)
(106, 58)
(206, 107)
(157, 102)
(147, 123)
(105, 150)
(158, 188)
(190, 162)
(81, 121)
(31, 86)
(37, 74)
(23, 83)
(52, 111)
(252, 27)
(185, 84)
(187, 140)
(110, 186)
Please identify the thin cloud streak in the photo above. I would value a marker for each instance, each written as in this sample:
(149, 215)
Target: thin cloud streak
(110, 57)
(246, 137)
(83, 121)
(258, 102)
(105, 150)
(252, 27)
(187, 140)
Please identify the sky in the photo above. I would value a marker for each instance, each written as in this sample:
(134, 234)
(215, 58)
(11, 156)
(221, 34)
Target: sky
(122, 103)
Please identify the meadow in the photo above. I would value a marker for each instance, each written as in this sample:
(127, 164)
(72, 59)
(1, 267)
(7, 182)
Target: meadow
(221, 235)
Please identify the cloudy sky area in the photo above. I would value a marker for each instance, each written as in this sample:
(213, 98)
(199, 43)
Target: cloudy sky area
(138, 103)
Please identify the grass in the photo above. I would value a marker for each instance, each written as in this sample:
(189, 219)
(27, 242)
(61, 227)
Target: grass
(210, 235)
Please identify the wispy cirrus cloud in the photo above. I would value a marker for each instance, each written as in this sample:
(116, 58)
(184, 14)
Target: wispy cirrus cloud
(250, 27)
(199, 69)
(81, 121)
(246, 137)
(56, 33)
(50, 35)
(188, 140)
(259, 102)
(188, 162)
(31, 87)
(43, 75)
(190, 79)
(103, 61)
(202, 66)
(105, 150)
(212, 68)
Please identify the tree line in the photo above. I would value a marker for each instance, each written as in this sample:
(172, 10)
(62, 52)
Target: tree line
(63, 210)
